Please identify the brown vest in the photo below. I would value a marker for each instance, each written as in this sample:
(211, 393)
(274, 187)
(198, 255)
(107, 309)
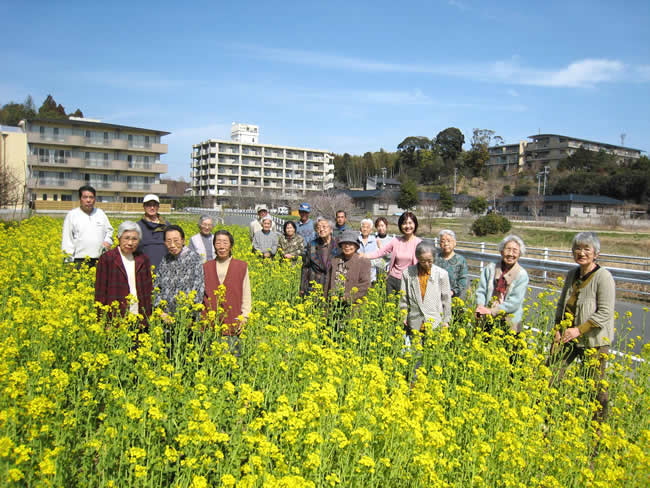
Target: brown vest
(232, 301)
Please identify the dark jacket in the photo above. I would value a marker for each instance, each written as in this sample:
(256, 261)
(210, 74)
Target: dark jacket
(153, 239)
(358, 275)
(314, 267)
(112, 283)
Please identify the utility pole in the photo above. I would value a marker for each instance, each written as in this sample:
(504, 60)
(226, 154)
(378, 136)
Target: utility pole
(546, 169)
(455, 175)
(539, 181)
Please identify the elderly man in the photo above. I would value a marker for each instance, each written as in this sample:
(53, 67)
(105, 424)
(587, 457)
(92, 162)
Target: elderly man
(265, 240)
(256, 224)
(201, 243)
(318, 255)
(87, 233)
(153, 229)
(180, 270)
(305, 226)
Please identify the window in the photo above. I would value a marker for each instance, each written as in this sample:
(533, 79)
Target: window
(42, 130)
(66, 198)
(56, 197)
(44, 196)
(563, 207)
(599, 210)
(586, 209)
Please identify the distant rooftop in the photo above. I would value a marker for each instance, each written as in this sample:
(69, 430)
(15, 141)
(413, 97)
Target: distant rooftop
(83, 122)
(536, 136)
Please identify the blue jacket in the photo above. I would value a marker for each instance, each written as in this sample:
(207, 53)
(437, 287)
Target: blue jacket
(153, 239)
(513, 302)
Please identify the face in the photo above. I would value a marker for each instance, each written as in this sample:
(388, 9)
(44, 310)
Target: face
(365, 229)
(266, 225)
(261, 213)
(447, 244)
(584, 254)
(222, 247)
(174, 242)
(304, 216)
(128, 241)
(348, 249)
(408, 227)
(206, 227)
(510, 253)
(290, 231)
(381, 227)
(323, 229)
(340, 218)
(87, 201)
(151, 208)
(425, 262)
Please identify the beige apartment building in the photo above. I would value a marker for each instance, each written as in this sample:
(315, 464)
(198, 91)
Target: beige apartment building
(13, 164)
(549, 150)
(242, 167)
(122, 163)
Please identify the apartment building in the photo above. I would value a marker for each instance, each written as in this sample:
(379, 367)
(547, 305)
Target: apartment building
(548, 150)
(13, 166)
(122, 163)
(242, 167)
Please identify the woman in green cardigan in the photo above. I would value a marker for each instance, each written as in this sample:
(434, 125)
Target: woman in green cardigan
(587, 301)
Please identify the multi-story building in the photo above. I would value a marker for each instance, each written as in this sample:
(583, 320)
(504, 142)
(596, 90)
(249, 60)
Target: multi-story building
(548, 150)
(122, 163)
(242, 167)
(13, 166)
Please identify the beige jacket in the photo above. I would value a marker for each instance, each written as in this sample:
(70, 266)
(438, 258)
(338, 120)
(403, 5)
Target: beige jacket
(436, 304)
(594, 307)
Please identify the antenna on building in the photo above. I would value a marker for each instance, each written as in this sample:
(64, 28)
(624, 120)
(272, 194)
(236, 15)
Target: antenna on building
(623, 138)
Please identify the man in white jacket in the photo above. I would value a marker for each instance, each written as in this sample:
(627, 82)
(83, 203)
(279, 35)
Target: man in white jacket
(87, 233)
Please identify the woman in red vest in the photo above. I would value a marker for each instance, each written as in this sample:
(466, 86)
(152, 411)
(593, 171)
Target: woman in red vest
(234, 303)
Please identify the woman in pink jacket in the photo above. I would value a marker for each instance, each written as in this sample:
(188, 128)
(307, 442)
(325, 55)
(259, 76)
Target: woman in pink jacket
(402, 251)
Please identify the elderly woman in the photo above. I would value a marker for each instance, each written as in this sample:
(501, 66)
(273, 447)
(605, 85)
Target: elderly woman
(180, 270)
(349, 272)
(427, 294)
(291, 245)
(232, 273)
(383, 238)
(265, 241)
(368, 244)
(402, 251)
(454, 264)
(502, 286)
(201, 243)
(318, 256)
(587, 300)
(121, 272)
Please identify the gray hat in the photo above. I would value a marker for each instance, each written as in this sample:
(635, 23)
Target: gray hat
(351, 236)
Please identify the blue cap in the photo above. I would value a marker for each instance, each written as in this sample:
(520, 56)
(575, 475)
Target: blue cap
(304, 207)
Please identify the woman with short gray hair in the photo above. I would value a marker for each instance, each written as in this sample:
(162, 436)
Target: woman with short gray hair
(201, 243)
(585, 314)
(123, 271)
(426, 294)
(502, 286)
(454, 264)
(368, 243)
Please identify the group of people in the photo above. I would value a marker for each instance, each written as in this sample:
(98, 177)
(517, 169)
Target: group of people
(339, 261)
(123, 274)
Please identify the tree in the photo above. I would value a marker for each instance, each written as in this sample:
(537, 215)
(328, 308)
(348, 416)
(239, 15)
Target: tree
(408, 194)
(446, 200)
(51, 110)
(474, 160)
(12, 112)
(584, 160)
(10, 188)
(328, 202)
(409, 153)
(449, 143)
(535, 204)
(478, 205)
(431, 166)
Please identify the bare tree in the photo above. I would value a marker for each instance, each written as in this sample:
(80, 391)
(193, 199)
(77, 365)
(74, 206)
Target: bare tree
(535, 203)
(427, 208)
(10, 188)
(328, 202)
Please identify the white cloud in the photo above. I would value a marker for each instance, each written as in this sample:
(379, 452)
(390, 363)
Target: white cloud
(581, 73)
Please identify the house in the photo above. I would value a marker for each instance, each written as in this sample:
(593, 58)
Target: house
(571, 205)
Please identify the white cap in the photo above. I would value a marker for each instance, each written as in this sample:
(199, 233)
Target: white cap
(150, 197)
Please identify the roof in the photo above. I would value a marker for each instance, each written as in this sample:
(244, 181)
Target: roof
(605, 144)
(76, 122)
(259, 144)
(571, 197)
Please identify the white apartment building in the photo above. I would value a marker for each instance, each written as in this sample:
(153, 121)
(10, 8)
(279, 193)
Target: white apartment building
(242, 167)
(122, 163)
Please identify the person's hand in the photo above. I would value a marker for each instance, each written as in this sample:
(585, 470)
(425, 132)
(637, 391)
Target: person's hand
(483, 310)
(267, 254)
(288, 256)
(557, 337)
(166, 318)
(570, 334)
(106, 245)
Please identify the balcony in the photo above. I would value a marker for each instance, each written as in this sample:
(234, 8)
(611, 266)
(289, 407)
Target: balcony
(54, 183)
(35, 137)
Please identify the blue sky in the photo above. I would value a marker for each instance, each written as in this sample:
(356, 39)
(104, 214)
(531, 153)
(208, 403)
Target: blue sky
(343, 76)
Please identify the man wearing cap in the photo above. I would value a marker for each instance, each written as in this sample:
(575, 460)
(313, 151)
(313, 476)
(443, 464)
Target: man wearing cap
(256, 224)
(305, 226)
(153, 230)
(87, 233)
